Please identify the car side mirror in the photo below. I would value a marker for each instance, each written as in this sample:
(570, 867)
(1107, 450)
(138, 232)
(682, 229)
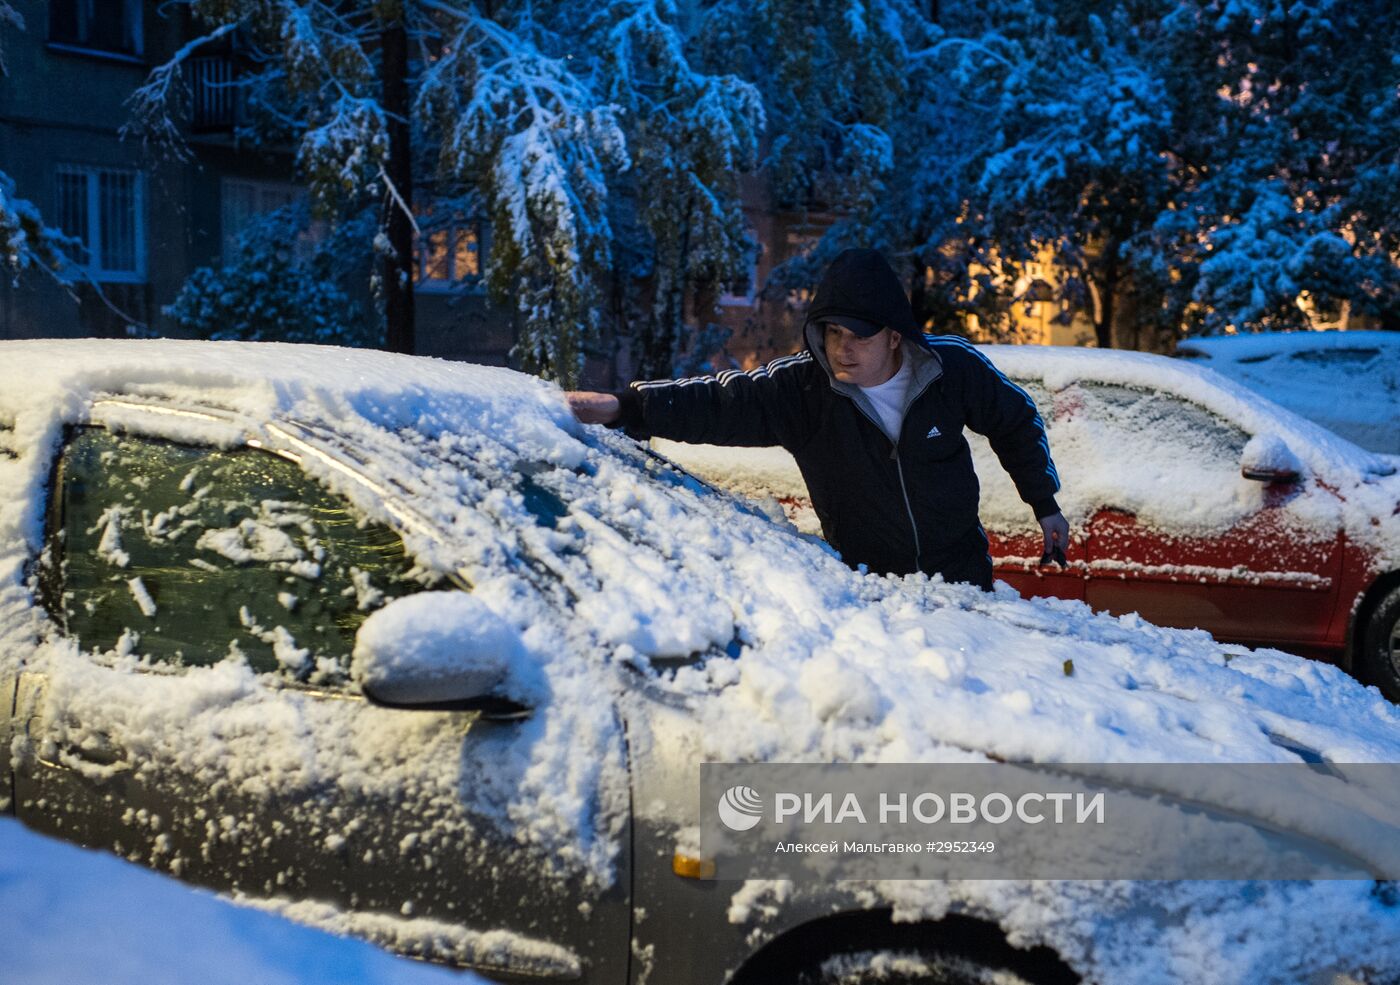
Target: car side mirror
(439, 651)
(1267, 459)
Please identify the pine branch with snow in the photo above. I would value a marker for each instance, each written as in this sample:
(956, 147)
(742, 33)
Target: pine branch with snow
(691, 134)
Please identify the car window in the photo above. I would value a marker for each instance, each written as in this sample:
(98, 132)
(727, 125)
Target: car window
(190, 555)
(1358, 356)
(1158, 426)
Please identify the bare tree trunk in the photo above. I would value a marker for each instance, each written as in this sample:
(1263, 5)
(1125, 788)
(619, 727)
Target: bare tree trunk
(397, 267)
(1103, 327)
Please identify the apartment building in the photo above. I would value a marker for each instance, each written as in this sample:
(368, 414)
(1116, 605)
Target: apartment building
(145, 222)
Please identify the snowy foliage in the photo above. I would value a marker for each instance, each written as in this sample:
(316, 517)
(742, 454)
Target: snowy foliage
(691, 134)
(282, 284)
(8, 16)
(25, 241)
(1190, 167)
(831, 74)
(1193, 166)
(553, 115)
(529, 130)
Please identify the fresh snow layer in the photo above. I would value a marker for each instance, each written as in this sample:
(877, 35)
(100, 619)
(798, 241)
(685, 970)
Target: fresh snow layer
(610, 567)
(1349, 382)
(873, 967)
(75, 916)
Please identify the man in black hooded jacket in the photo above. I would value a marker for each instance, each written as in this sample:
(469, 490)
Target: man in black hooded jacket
(873, 411)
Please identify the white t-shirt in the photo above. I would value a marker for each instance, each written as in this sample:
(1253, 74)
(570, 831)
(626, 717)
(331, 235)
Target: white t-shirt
(888, 399)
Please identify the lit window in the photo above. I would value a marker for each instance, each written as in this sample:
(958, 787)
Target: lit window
(98, 25)
(102, 210)
(448, 251)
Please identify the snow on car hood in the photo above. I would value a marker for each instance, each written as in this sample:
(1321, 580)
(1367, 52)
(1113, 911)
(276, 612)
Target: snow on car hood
(613, 563)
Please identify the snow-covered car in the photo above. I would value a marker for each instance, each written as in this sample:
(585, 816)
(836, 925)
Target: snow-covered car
(396, 647)
(1349, 382)
(1194, 501)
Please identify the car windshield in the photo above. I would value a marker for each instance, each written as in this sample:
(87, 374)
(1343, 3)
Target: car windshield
(614, 548)
(627, 544)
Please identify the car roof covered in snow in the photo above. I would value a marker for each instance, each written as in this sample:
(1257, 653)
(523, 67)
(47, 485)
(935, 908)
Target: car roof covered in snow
(266, 379)
(1307, 371)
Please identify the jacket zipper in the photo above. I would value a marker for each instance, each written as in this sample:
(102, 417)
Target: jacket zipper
(899, 466)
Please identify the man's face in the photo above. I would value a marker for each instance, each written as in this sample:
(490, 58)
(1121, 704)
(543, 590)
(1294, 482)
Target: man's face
(861, 362)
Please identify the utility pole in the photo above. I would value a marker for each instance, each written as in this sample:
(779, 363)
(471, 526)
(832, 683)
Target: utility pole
(397, 223)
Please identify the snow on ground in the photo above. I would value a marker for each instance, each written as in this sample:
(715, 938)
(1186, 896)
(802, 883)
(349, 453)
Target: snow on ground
(73, 916)
(1348, 382)
(606, 563)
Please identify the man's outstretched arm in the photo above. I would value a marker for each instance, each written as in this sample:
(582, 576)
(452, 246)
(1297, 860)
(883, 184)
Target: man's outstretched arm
(765, 406)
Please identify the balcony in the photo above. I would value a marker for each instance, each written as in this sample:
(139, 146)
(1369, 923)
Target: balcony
(216, 98)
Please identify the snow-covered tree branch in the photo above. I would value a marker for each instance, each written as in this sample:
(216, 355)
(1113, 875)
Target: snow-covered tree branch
(1198, 165)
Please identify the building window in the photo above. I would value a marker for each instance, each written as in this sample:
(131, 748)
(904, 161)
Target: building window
(98, 25)
(102, 210)
(243, 201)
(448, 251)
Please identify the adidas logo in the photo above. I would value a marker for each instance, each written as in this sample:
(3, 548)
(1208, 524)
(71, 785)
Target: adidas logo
(933, 432)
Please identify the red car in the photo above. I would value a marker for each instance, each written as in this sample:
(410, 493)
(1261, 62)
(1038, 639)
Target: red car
(1195, 503)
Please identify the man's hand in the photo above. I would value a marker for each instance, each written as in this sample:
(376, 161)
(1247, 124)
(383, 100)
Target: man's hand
(595, 408)
(1056, 529)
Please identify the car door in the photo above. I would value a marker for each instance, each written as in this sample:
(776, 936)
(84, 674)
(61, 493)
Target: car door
(1178, 535)
(195, 713)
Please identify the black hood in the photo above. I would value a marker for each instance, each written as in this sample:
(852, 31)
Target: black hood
(861, 284)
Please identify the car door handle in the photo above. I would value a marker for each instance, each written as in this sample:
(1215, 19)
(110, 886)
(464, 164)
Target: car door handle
(96, 756)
